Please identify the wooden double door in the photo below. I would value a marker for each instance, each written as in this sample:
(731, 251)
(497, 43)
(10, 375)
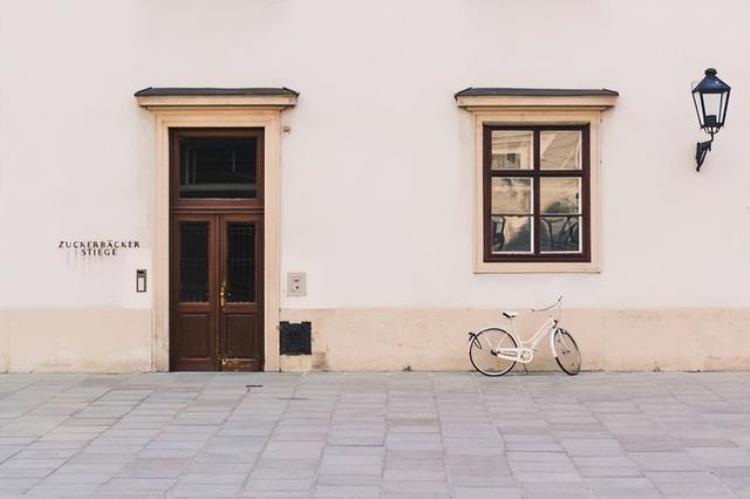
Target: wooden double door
(216, 251)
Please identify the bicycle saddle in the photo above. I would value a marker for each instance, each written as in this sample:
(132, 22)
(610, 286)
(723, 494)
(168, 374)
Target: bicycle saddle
(509, 314)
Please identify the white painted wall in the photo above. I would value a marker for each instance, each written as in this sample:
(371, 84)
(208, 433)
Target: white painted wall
(377, 170)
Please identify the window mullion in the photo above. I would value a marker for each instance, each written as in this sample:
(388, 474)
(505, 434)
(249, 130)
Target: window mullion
(536, 190)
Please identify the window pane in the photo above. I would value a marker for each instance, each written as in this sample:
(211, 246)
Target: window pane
(512, 149)
(560, 195)
(510, 234)
(560, 150)
(561, 234)
(511, 195)
(193, 261)
(218, 167)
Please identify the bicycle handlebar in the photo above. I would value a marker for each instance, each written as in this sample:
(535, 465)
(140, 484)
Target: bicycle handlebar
(557, 302)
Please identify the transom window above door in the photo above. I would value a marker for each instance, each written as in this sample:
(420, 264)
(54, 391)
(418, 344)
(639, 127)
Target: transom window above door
(218, 167)
(217, 164)
(536, 193)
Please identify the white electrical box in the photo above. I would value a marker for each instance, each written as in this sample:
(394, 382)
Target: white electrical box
(296, 284)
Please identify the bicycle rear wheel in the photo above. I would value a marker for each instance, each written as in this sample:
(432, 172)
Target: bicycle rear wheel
(482, 347)
(566, 351)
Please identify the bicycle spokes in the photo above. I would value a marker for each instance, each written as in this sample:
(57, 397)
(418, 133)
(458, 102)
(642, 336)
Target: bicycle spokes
(483, 352)
(566, 352)
(565, 346)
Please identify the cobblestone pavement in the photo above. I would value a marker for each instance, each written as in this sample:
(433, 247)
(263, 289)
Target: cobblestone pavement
(375, 435)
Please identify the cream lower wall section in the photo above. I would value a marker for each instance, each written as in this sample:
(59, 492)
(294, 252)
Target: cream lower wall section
(119, 340)
(610, 340)
(101, 340)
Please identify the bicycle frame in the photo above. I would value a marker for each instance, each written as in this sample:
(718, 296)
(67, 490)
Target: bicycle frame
(524, 353)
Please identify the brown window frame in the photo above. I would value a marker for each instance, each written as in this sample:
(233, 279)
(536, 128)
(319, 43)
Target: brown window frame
(536, 173)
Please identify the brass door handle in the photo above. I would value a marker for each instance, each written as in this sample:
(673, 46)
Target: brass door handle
(222, 293)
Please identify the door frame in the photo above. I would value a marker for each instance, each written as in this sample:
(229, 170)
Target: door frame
(269, 119)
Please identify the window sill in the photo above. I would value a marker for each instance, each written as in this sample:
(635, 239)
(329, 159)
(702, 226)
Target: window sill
(536, 268)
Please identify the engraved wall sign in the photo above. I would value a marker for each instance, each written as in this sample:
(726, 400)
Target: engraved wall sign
(98, 247)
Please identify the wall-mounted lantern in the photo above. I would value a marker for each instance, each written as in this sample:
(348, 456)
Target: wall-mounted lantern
(711, 97)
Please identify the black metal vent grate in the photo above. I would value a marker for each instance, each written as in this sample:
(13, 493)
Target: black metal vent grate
(296, 338)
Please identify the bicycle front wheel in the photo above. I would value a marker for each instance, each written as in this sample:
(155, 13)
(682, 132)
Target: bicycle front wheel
(483, 348)
(566, 351)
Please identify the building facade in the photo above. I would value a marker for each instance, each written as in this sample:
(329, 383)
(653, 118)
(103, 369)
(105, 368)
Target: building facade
(186, 184)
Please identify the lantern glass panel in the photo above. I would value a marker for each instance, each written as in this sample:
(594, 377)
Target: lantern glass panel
(723, 107)
(712, 105)
(697, 98)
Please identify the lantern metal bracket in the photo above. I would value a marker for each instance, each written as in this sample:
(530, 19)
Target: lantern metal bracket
(701, 150)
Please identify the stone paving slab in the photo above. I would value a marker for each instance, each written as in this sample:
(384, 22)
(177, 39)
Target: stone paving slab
(379, 435)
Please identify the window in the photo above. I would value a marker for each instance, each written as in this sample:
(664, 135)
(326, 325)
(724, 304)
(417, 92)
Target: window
(536, 177)
(536, 193)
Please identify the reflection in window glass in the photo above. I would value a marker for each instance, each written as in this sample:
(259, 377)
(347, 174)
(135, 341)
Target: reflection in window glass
(560, 150)
(218, 167)
(560, 195)
(560, 234)
(511, 195)
(511, 234)
(512, 149)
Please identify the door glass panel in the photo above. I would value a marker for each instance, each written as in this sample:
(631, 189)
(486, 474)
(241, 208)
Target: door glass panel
(218, 167)
(240, 262)
(194, 261)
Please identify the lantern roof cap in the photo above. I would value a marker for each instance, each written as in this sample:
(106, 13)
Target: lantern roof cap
(711, 84)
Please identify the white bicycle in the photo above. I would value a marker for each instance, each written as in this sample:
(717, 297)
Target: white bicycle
(493, 351)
